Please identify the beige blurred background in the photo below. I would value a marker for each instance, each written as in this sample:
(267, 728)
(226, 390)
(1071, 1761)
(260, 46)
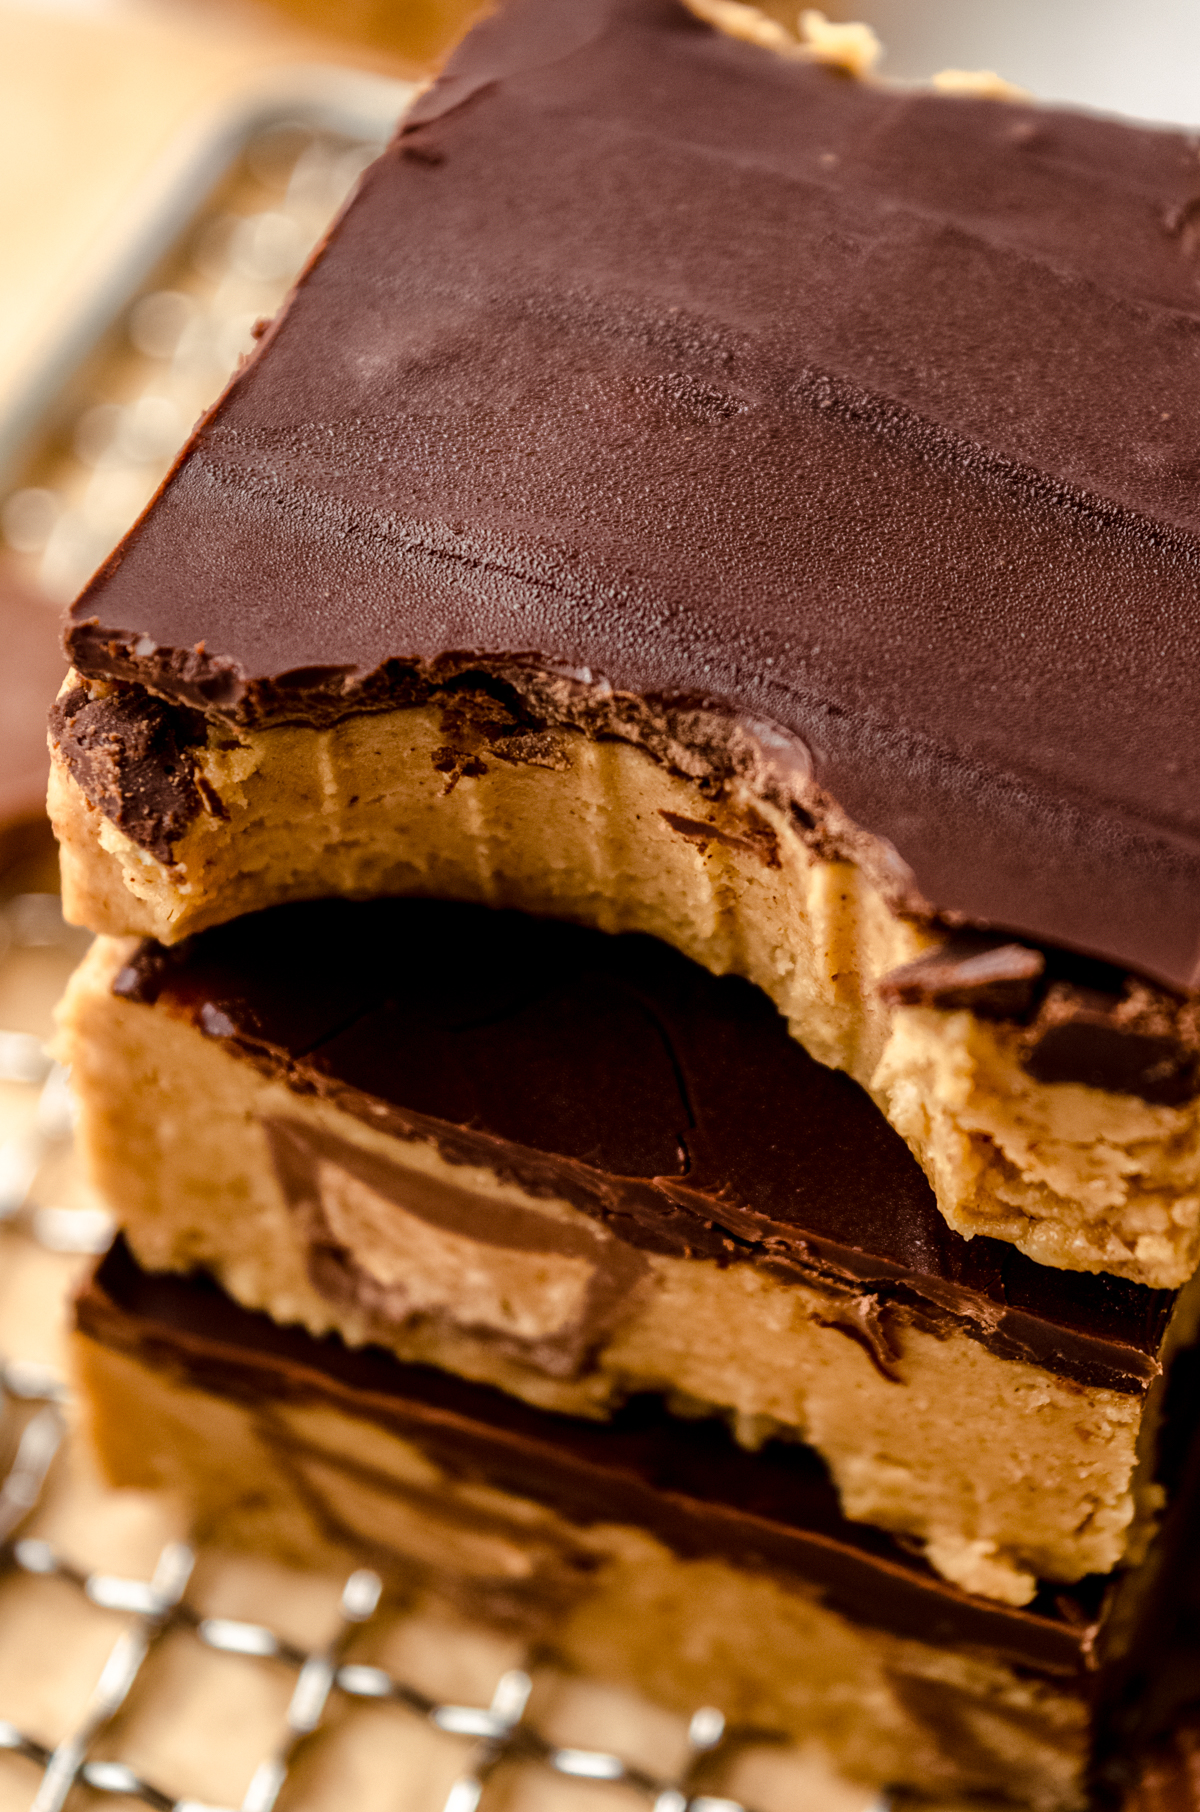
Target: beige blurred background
(92, 92)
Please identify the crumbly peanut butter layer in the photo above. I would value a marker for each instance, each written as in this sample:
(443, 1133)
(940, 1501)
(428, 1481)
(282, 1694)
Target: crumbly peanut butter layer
(305, 1482)
(599, 832)
(1003, 1471)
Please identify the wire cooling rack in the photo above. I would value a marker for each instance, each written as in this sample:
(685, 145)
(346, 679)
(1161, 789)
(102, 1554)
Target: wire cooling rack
(492, 1734)
(107, 1688)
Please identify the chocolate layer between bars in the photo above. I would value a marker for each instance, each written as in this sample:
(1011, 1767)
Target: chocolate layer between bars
(670, 1104)
(700, 393)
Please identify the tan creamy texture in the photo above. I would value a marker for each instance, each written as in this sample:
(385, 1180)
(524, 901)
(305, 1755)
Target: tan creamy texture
(1004, 1472)
(311, 1484)
(1075, 1177)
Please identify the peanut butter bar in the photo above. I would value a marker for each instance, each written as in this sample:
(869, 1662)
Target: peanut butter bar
(578, 1167)
(648, 1550)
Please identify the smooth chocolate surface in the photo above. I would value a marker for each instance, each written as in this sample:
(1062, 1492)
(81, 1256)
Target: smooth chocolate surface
(679, 374)
(669, 1104)
(686, 1482)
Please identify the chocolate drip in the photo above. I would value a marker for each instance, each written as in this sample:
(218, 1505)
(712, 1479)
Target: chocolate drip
(668, 1104)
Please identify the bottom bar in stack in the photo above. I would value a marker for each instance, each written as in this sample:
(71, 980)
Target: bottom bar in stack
(647, 1550)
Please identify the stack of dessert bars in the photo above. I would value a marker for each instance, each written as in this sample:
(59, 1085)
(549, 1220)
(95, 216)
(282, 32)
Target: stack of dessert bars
(636, 788)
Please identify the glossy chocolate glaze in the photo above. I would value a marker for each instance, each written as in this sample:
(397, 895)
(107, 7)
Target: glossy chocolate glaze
(656, 371)
(686, 1482)
(668, 1103)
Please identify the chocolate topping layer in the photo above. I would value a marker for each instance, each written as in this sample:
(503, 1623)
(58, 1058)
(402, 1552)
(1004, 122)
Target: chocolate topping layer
(129, 754)
(669, 1104)
(657, 373)
(686, 1482)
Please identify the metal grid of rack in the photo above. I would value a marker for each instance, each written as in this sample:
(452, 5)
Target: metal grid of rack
(491, 1734)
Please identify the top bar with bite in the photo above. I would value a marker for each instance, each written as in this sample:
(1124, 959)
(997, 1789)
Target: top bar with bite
(696, 492)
